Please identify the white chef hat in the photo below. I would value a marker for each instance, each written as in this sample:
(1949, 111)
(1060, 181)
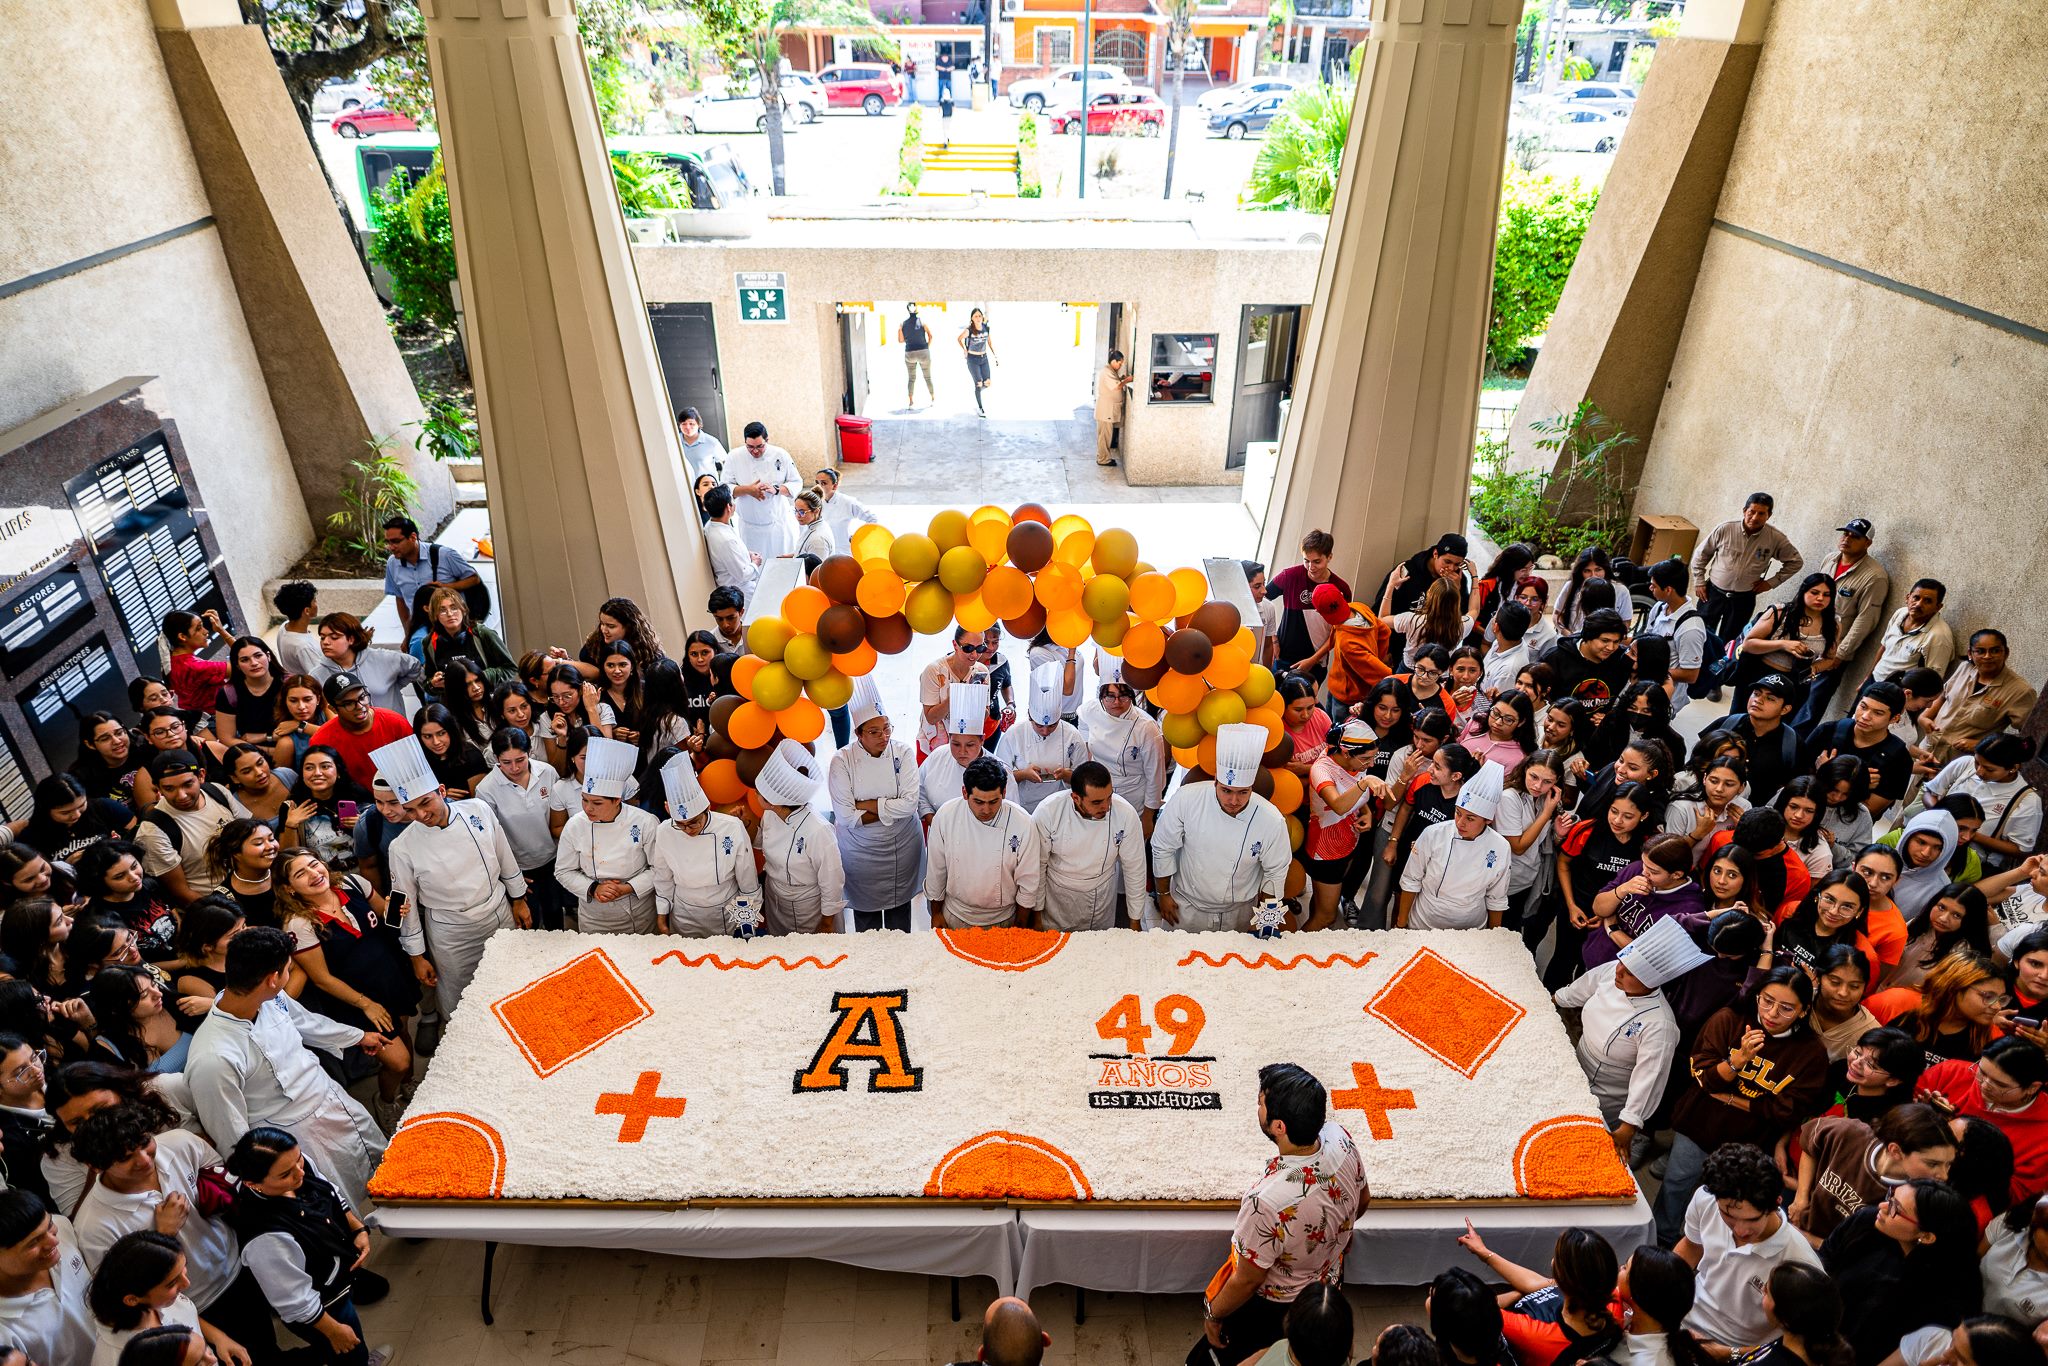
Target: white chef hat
(789, 777)
(403, 764)
(967, 708)
(608, 766)
(686, 799)
(1109, 669)
(1481, 793)
(1046, 694)
(1662, 953)
(865, 704)
(1238, 750)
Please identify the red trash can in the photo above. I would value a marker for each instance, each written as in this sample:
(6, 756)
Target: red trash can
(856, 440)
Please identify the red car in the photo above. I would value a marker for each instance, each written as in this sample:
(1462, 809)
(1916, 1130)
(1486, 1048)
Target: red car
(867, 86)
(374, 118)
(1114, 111)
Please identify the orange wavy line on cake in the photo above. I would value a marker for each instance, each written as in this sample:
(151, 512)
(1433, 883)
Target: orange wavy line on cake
(1267, 960)
(755, 965)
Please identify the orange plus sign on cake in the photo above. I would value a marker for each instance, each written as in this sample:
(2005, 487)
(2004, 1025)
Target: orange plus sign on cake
(1446, 1012)
(579, 1006)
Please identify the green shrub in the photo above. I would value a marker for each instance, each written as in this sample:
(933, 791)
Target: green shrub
(1542, 223)
(416, 244)
(1580, 500)
(1304, 145)
(1578, 69)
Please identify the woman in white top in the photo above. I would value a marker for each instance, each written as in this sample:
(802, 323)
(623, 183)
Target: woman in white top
(2012, 809)
(141, 1285)
(843, 511)
(1716, 802)
(518, 789)
(874, 787)
(1129, 744)
(2016, 1263)
(814, 535)
(1656, 1289)
(1437, 620)
(1526, 820)
(42, 1283)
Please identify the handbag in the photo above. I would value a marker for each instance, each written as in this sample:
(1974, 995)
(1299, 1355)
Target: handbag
(213, 1191)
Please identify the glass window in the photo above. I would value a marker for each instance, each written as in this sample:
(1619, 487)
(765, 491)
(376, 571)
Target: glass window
(1183, 368)
(1055, 46)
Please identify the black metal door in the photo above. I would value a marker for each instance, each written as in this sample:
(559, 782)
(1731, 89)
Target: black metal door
(1267, 338)
(687, 343)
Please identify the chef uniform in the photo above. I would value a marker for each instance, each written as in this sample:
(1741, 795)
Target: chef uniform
(1060, 747)
(766, 524)
(1627, 1043)
(460, 878)
(1129, 746)
(882, 859)
(938, 777)
(1086, 862)
(800, 860)
(1461, 884)
(620, 848)
(816, 539)
(983, 871)
(246, 1073)
(1221, 865)
(732, 565)
(697, 876)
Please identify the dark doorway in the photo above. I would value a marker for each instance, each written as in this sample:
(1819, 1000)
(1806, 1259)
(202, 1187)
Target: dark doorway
(1269, 335)
(687, 343)
(853, 347)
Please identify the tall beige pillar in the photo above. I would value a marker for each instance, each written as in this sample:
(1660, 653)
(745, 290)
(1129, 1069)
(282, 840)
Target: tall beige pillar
(588, 495)
(1617, 325)
(1379, 444)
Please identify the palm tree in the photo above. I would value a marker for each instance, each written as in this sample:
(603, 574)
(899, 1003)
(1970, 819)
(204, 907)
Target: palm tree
(749, 33)
(1298, 162)
(1180, 23)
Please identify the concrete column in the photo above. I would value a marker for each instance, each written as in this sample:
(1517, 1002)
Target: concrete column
(1616, 329)
(588, 495)
(1379, 445)
(336, 382)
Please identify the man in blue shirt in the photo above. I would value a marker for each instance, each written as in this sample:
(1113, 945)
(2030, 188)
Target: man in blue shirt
(411, 566)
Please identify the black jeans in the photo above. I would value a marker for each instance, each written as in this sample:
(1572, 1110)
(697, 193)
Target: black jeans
(1257, 1324)
(343, 1309)
(243, 1314)
(1727, 614)
(893, 918)
(842, 726)
(544, 897)
(1820, 691)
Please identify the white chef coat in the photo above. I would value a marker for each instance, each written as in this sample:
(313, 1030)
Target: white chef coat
(765, 524)
(1626, 1046)
(213, 1254)
(262, 1071)
(1086, 863)
(1023, 747)
(523, 811)
(697, 876)
(842, 510)
(939, 779)
(732, 564)
(621, 848)
(805, 883)
(816, 539)
(1220, 865)
(460, 879)
(882, 859)
(1457, 883)
(54, 1325)
(983, 871)
(1132, 749)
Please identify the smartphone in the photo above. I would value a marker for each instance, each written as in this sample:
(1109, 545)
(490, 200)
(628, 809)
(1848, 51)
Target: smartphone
(346, 809)
(394, 909)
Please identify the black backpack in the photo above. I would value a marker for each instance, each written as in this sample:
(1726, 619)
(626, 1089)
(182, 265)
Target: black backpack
(1717, 661)
(173, 832)
(476, 595)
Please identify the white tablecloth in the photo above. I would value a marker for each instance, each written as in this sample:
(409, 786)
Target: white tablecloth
(1176, 1252)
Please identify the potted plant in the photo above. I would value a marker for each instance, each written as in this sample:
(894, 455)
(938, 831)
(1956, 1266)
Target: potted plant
(648, 190)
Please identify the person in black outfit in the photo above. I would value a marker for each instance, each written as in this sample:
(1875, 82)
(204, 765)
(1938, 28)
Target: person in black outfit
(64, 819)
(303, 1244)
(1593, 655)
(1909, 1261)
(23, 1121)
(1445, 559)
(1865, 735)
(1773, 746)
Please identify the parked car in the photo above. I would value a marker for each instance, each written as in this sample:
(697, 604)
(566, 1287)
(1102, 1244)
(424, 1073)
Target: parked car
(1130, 110)
(1585, 130)
(371, 119)
(1225, 96)
(339, 97)
(801, 90)
(869, 87)
(734, 111)
(1601, 94)
(1063, 86)
(1250, 116)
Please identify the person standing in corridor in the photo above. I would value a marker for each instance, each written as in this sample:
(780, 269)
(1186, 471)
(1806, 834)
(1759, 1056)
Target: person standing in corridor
(1110, 389)
(978, 345)
(945, 107)
(917, 355)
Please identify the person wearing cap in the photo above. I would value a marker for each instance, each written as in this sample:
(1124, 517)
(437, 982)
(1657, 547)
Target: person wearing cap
(1356, 639)
(982, 860)
(1344, 797)
(1219, 848)
(174, 835)
(1304, 635)
(1457, 873)
(1091, 846)
(938, 777)
(873, 783)
(604, 858)
(800, 866)
(1862, 584)
(358, 728)
(733, 565)
(375, 830)
(1772, 746)
(1446, 559)
(1127, 742)
(1733, 564)
(1042, 756)
(455, 867)
(702, 858)
(1628, 1035)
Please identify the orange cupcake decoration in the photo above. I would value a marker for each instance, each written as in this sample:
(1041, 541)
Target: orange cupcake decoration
(1570, 1157)
(580, 1006)
(1000, 1164)
(1004, 948)
(1446, 1012)
(442, 1155)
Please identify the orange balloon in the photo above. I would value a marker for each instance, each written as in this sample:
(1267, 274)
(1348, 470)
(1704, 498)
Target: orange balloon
(1186, 758)
(721, 781)
(1075, 543)
(1180, 692)
(1144, 645)
(750, 727)
(1068, 629)
(1276, 729)
(1059, 587)
(1190, 590)
(861, 659)
(743, 670)
(801, 608)
(754, 803)
(1244, 643)
(1227, 669)
(870, 541)
(803, 720)
(972, 612)
(1287, 789)
(880, 592)
(1152, 597)
(1296, 832)
(1006, 590)
(1206, 750)
(990, 536)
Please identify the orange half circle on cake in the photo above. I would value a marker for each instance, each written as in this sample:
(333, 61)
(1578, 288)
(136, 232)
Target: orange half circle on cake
(443, 1155)
(1000, 1164)
(1570, 1157)
(1004, 948)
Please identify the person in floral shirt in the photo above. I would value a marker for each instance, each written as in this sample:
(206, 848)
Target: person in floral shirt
(1294, 1224)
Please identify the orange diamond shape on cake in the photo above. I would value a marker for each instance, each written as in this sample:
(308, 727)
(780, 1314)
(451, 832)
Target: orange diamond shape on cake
(579, 1006)
(1445, 1011)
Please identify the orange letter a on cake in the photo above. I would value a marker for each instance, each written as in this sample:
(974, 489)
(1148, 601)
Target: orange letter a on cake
(867, 1031)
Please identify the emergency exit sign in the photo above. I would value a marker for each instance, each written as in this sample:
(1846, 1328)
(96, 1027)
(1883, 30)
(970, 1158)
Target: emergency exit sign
(764, 296)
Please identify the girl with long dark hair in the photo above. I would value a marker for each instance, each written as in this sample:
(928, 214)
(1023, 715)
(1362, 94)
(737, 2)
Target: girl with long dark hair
(1959, 918)
(1787, 639)
(619, 619)
(1905, 1262)
(316, 819)
(303, 1243)
(1562, 1318)
(244, 855)
(453, 756)
(464, 693)
(111, 879)
(109, 761)
(1832, 912)
(247, 702)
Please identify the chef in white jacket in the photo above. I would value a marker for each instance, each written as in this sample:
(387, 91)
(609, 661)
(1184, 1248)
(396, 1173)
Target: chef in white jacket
(1457, 874)
(1126, 742)
(763, 479)
(251, 1063)
(981, 865)
(800, 860)
(605, 858)
(873, 783)
(938, 778)
(1091, 847)
(1220, 848)
(1042, 754)
(1628, 1034)
(733, 565)
(702, 858)
(457, 871)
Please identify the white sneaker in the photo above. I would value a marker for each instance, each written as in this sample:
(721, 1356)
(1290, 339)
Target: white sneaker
(383, 1356)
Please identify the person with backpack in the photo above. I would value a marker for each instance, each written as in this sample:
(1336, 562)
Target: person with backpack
(1865, 735)
(1695, 649)
(174, 835)
(1771, 746)
(917, 355)
(409, 567)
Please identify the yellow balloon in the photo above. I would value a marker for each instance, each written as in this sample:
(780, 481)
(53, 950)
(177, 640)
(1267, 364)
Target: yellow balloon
(776, 684)
(989, 512)
(1190, 589)
(1152, 597)
(1116, 552)
(1077, 547)
(1110, 634)
(1258, 686)
(962, 569)
(915, 558)
(835, 689)
(1105, 597)
(1181, 729)
(870, 541)
(929, 608)
(948, 529)
(1069, 628)
(768, 637)
(1219, 709)
(879, 592)
(1063, 527)
(807, 658)
(1145, 567)
(990, 537)
(971, 612)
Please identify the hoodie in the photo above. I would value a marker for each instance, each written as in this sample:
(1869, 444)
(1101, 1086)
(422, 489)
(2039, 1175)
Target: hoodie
(1918, 887)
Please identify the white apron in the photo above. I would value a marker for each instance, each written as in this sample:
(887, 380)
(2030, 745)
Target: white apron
(697, 876)
(801, 872)
(883, 860)
(1086, 863)
(620, 848)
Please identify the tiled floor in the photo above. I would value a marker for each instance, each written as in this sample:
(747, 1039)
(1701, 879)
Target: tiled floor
(613, 1308)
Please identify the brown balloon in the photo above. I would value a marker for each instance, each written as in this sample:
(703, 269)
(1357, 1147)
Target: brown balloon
(1279, 756)
(752, 761)
(1146, 677)
(1033, 620)
(1216, 620)
(722, 710)
(1189, 652)
(1263, 783)
(838, 576)
(841, 628)
(1198, 774)
(890, 635)
(1030, 546)
(716, 747)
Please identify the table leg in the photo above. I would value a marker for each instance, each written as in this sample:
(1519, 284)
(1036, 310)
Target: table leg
(1080, 1306)
(956, 1297)
(490, 1256)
